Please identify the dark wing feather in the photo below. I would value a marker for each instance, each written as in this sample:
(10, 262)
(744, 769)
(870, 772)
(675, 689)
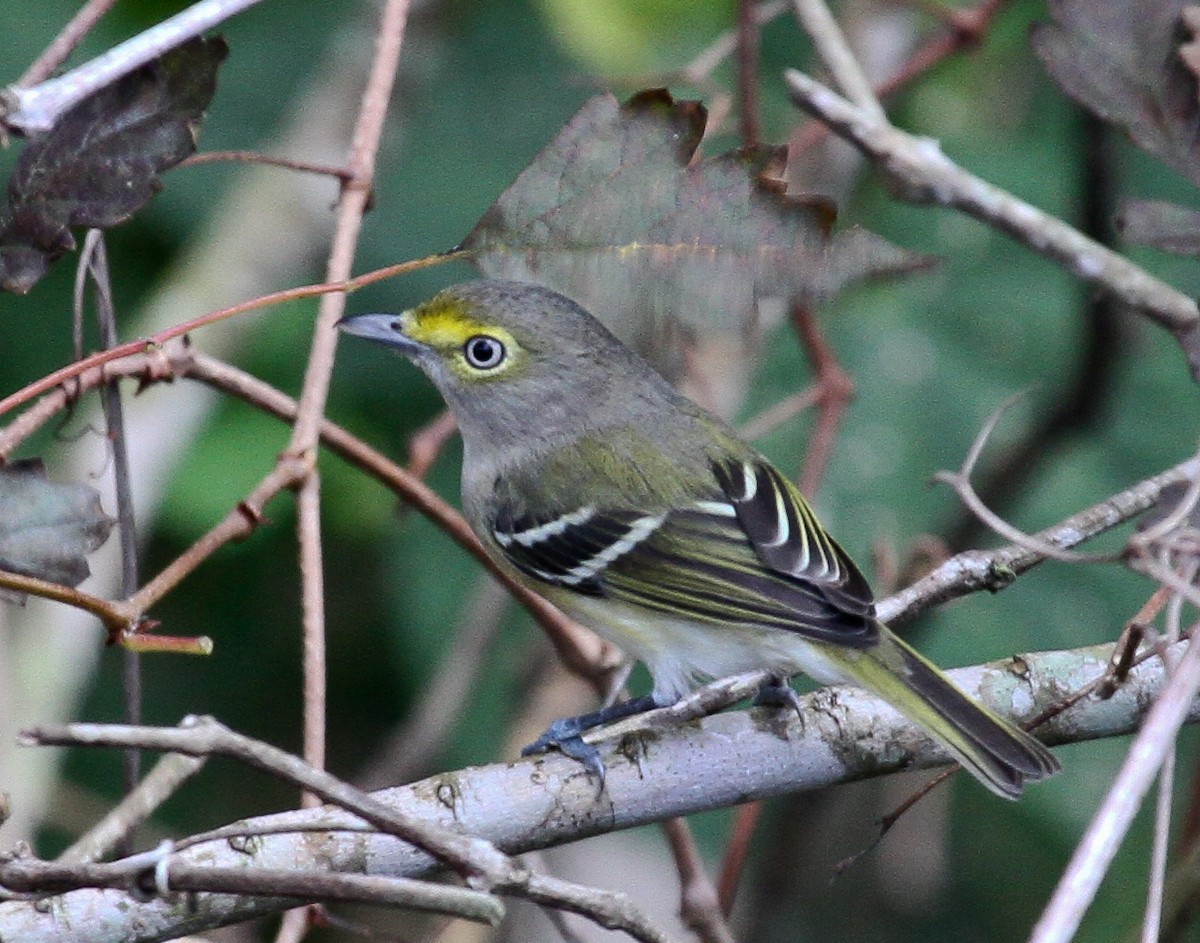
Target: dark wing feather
(789, 539)
(751, 553)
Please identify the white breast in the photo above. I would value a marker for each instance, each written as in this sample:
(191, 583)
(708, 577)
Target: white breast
(681, 654)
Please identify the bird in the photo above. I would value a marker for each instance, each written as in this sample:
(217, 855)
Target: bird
(591, 479)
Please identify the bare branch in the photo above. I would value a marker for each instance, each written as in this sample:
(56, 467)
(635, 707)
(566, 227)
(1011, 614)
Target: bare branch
(921, 173)
(534, 803)
(994, 570)
(477, 859)
(835, 52)
(39, 107)
(162, 782)
(31, 875)
(65, 42)
(1081, 879)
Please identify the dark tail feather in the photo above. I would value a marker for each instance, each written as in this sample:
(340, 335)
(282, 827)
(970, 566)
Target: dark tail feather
(1000, 755)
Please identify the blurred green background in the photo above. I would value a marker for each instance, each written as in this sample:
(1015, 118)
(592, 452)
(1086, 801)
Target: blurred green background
(484, 85)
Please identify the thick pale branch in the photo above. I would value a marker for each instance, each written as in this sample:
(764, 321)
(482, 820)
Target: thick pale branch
(653, 772)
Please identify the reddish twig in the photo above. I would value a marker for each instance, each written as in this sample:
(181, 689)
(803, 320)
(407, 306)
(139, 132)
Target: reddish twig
(836, 389)
(966, 29)
(699, 903)
(154, 341)
(747, 71)
(700, 69)
(579, 649)
(737, 849)
(343, 174)
(757, 426)
(426, 443)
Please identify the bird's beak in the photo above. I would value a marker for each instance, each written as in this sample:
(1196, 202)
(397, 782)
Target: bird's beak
(386, 329)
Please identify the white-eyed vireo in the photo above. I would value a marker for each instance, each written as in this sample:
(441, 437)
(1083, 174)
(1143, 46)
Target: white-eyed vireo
(647, 519)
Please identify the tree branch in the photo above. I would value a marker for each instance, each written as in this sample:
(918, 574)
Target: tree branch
(654, 772)
(921, 173)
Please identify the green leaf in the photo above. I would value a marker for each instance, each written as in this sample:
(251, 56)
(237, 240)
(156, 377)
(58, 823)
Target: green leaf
(101, 162)
(673, 254)
(47, 529)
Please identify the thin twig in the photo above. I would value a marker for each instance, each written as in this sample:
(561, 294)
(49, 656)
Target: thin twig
(426, 444)
(301, 450)
(254, 157)
(836, 390)
(160, 338)
(966, 32)
(1152, 922)
(747, 71)
(835, 52)
(155, 788)
(111, 614)
(700, 905)
(776, 415)
(994, 570)
(205, 737)
(312, 604)
(960, 481)
(93, 260)
(1083, 875)
(40, 877)
(700, 69)
(65, 42)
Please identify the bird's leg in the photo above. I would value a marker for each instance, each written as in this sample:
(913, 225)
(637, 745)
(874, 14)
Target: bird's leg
(776, 692)
(566, 734)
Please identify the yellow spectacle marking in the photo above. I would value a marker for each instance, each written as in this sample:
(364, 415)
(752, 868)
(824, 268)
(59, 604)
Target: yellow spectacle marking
(444, 324)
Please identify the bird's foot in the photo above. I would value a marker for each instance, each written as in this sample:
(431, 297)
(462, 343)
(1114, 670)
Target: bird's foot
(566, 735)
(776, 692)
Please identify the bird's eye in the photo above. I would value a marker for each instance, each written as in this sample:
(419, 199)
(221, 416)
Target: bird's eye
(484, 352)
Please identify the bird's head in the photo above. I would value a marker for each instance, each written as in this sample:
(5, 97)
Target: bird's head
(512, 358)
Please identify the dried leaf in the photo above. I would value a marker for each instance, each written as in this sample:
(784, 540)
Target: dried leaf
(47, 529)
(1160, 224)
(1122, 60)
(101, 162)
(674, 255)
(1189, 52)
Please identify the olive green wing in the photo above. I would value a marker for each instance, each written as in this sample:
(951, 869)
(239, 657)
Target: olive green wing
(749, 551)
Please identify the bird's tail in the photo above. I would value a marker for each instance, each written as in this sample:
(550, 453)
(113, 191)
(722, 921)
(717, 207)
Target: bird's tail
(1001, 756)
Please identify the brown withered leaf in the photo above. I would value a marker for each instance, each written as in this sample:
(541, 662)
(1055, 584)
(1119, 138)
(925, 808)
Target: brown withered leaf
(101, 162)
(1123, 60)
(674, 254)
(47, 529)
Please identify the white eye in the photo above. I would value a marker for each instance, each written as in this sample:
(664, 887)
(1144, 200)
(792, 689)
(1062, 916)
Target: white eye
(484, 352)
